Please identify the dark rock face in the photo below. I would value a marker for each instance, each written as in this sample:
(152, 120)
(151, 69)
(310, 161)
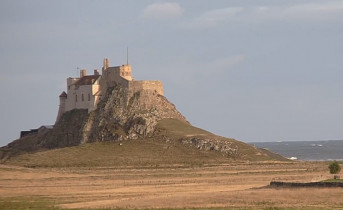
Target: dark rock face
(67, 131)
(214, 143)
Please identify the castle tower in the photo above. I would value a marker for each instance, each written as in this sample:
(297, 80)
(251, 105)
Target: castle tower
(126, 72)
(62, 108)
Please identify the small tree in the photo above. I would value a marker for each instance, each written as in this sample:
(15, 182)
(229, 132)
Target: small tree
(334, 168)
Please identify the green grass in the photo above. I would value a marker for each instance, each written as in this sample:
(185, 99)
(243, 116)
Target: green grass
(334, 180)
(177, 128)
(224, 208)
(27, 203)
(135, 153)
(42, 203)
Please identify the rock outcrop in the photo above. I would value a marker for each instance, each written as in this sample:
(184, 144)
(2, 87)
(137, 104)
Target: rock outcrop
(121, 115)
(125, 115)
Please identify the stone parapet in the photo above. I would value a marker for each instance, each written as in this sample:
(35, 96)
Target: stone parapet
(135, 86)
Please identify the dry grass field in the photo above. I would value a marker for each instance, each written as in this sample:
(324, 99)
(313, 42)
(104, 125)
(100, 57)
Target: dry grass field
(159, 173)
(239, 185)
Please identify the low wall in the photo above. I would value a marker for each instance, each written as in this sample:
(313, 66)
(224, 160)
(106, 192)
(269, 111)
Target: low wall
(308, 184)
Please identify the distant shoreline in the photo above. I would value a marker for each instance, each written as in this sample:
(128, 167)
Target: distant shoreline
(320, 150)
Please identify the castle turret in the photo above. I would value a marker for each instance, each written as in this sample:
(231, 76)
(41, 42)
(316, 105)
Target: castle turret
(62, 108)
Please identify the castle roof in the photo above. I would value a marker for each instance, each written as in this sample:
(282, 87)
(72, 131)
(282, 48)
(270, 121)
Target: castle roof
(87, 80)
(63, 94)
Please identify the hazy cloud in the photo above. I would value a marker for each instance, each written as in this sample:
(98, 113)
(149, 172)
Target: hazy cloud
(311, 11)
(214, 17)
(166, 10)
(315, 11)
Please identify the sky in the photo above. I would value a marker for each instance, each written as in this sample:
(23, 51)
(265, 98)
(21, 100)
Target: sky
(253, 70)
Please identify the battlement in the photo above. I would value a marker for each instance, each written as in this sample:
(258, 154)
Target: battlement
(135, 86)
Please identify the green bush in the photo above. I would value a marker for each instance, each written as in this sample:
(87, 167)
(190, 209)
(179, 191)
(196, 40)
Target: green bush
(334, 167)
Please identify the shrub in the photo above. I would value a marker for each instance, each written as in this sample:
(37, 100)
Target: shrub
(334, 168)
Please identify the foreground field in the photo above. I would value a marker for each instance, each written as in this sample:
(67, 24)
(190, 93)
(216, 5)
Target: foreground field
(236, 185)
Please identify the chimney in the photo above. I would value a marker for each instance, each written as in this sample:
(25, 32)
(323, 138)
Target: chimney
(106, 63)
(96, 72)
(83, 73)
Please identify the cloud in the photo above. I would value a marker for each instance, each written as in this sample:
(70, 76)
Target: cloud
(316, 11)
(166, 10)
(213, 18)
(323, 11)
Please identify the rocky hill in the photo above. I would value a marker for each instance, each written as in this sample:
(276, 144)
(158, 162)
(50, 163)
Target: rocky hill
(122, 116)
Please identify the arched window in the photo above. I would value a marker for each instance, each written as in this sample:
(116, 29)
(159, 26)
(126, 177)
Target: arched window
(89, 97)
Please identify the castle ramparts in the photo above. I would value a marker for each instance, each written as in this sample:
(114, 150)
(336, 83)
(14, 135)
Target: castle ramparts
(85, 92)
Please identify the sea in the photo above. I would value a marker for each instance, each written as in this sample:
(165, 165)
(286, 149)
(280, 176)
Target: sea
(306, 150)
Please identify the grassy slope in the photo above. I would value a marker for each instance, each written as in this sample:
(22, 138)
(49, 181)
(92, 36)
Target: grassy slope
(145, 153)
(175, 128)
(162, 149)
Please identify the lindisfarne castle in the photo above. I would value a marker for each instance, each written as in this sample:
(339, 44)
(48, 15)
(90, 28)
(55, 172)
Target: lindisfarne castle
(112, 106)
(86, 91)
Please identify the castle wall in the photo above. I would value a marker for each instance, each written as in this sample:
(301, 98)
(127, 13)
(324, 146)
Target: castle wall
(155, 85)
(82, 97)
(112, 76)
(85, 92)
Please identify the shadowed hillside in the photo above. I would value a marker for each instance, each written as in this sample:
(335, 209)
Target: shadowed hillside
(175, 143)
(144, 130)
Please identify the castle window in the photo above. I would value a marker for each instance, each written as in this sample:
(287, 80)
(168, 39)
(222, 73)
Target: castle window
(89, 97)
(75, 98)
(82, 97)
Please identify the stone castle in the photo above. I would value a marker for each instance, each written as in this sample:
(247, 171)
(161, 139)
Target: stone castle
(85, 92)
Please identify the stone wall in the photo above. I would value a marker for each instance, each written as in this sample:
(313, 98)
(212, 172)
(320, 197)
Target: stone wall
(117, 75)
(136, 86)
(309, 184)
